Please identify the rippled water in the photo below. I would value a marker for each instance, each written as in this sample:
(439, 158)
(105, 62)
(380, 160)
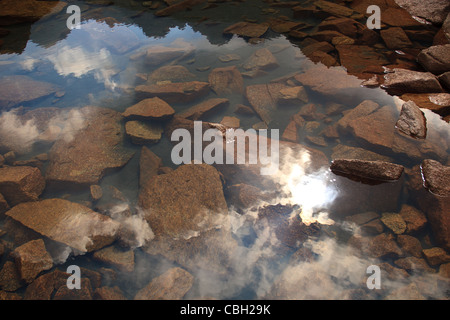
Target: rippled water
(99, 64)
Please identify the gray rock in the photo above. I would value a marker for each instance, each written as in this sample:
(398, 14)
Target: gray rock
(434, 11)
(435, 59)
(404, 81)
(412, 121)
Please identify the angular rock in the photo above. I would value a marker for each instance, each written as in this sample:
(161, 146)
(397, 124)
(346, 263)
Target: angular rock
(230, 122)
(44, 286)
(436, 256)
(436, 102)
(362, 218)
(413, 264)
(408, 292)
(293, 94)
(70, 223)
(177, 7)
(394, 222)
(412, 121)
(245, 196)
(341, 151)
(333, 8)
(410, 245)
(435, 59)
(12, 12)
(84, 293)
(357, 58)
(290, 133)
(149, 164)
(143, 132)
(402, 81)
(247, 29)
(395, 38)
(444, 79)
(15, 90)
(434, 11)
(109, 293)
(170, 73)
(31, 259)
(225, 81)
(415, 219)
(372, 170)
(436, 177)
(383, 246)
(85, 156)
(150, 109)
(171, 285)
(203, 109)
(10, 279)
(96, 192)
(179, 92)
(159, 55)
(21, 184)
(123, 260)
(261, 59)
(263, 98)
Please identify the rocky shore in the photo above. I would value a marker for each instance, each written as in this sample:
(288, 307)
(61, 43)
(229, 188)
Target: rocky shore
(390, 162)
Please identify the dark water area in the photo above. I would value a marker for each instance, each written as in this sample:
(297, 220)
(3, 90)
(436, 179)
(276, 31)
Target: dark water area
(225, 231)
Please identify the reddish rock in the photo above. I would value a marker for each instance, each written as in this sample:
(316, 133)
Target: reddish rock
(143, 132)
(177, 7)
(231, 122)
(204, 109)
(171, 285)
(226, 80)
(31, 259)
(148, 109)
(12, 12)
(395, 38)
(290, 133)
(434, 11)
(413, 264)
(109, 293)
(96, 192)
(436, 256)
(149, 164)
(435, 59)
(263, 98)
(247, 29)
(44, 286)
(84, 293)
(172, 73)
(402, 81)
(436, 102)
(70, 223)
(410, 245)
(21, 184)
(121, 259)
(10, 279)
(357, 58)
(383, 246)
(415, 219)
(372, 170)
(245, 196)
(179, 92)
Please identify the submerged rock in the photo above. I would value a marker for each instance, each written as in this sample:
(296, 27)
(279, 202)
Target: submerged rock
(149, 109)
(84, 157)
(180, 92)
(12, 12)
(21, 184)
(171, 73)
(149, 164)
(226, 80)
(436, 102)
(247, 29)
(31, 259)
(263, 98)
(159, 55)
(143, 132)
(70, 223)
(204, 108)
(261, 59)
(372, 170)
(412, 121)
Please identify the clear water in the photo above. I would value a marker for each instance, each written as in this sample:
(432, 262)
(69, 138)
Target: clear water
(94, 66)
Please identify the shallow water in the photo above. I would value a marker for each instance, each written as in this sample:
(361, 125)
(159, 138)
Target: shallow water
(98, 65)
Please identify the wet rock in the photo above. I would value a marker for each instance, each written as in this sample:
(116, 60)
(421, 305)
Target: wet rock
(179, 92)
(434, 11)
(362, 218)
(341, 151)
(383, 246)
(444, 270)
(224, 81)
(149, 164)
(261, 59)
(123, 260)
(70, 223)
(85, 156)
(392, 273)
(435, 59)
(247, 29)
(203, 109)
(230, 122)
(372, 170)
(444, 79)
(436, 256)
(283, 26)
(177, 7)
(410, 245)
(436, 177)
(402, 81)
(171, 285)
(229, 57)
(413, 264)
(96, 192)
(408, 292)
(44, 286)
(333, 8)
(108, 293)
(21, 184)
(436, 102)
(415, 219)
(394, 222)
(143, 132)
(12, 12)
(170, 73)
(158, 55)
(31, 259)
(350, 28)
(290, 133)
(84, 293)
(293, 94)
(150, 109)
(15, 90)
(357, 58)
(10, 279)
(245, 196)
(395, 38)
(373, 227)
(264, 98)
(3, 204)
(412, 121)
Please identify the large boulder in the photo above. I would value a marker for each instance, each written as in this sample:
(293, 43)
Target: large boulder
(21, 184)
(70, 223)
(434, 11)
(85, 157)
(435, 59)
(402, 81)
(436, 177)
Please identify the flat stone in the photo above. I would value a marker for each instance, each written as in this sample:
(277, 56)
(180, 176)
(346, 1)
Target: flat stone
(436, 102)
(412, 121)
(179, 92)
(123, 260)
(143, 132)
(436, 256)
(10, 279)
(394, 222)
(436, 177)
(341, 151)
(261, 59)
(444, 79)
(362, 218)
(357, 58)
(395, 38)
(372, 170)
(231, 122)
(263, 98)
(203, 109)
(15, 90)
(293, 94)
(159, 55)
(247, 29)
(434, 11)
(149, 164)
(84, 157)
(109, 293)
(435, 59)
(229, 57)
(383, 246)
(333, 8)
(415, 219)
(96, 192)
(70, 223)
(171, 285)
(402, 81)
(225, 81)
(21, 184)
(31, 259)
(148, 109)
(413, 264)
(410, 245)
(177, 7)
(43, 287)
(173, 73)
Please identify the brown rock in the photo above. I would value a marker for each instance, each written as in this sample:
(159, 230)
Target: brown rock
(383, 246)
(143, 132)
(231, 122)
(150, 109)
(263, 98)
(123, 260)
(410, 245)
(44, 286)
(21, 184)
(204, 109)
(290, 133)
(435, 59)
(84, 293)
(10, 279)
(179, 92)
(98, 147)
(413, 264)
(28, 11)
(245, 196)
(362, 218)
(149, 164)
(261, 59)
(436, 256)
(171, 285)
(436, 177)
(177, 7)
(3, 204)
(436, 102)
(226, 80)
(444, 79)
(415, 219)
(333, 8)
(402, 81)
(293, 94)
(394, 222)
(341, 151)
(373, 227)
(434, 11)
(372, 170)
(247, 29)
(109, 293)
(395, 38)
(31, 259)
(357, 58)
(408, 292)
(444, 270)
(172, 73)
(412, 121)
(96, 192)
(159, 55)
(70, 223)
